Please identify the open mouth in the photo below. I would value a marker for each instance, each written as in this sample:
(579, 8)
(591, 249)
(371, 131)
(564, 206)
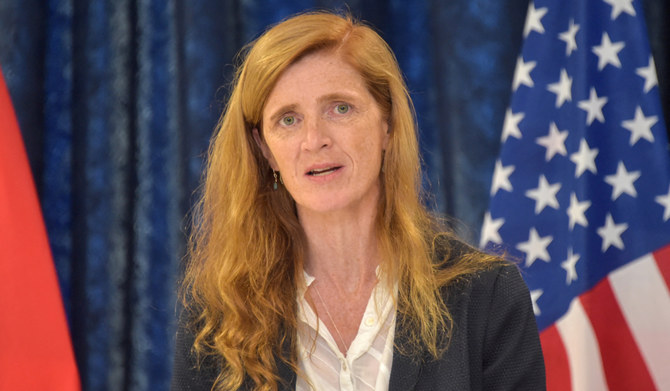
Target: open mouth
(323, 171)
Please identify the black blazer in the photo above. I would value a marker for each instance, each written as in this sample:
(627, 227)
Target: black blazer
(494, 346)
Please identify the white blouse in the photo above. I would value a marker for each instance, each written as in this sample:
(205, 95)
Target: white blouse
(367, 363)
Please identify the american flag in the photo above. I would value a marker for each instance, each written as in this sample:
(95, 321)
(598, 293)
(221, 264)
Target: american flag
(581, 195)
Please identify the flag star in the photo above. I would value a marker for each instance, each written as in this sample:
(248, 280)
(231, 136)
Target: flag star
(611, 233)
(535, 248)
(522, 73)
(534, 20)
(511, 125)
(576, 212)
(649, 75)
(569, 37)
(534, 295)
(622, 181)
(664, 200)
(593, 107)
(619, 6)
(608, 52)
(562, 88)
(490, 230)
(501, 178)
(569, 266)
(554, 142)
(544, 195)
(584, 159)
(640, 126)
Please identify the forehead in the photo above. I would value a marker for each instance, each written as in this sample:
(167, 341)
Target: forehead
(320, 62)
(316, 74)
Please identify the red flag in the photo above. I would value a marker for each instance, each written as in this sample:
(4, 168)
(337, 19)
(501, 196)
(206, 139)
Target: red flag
(35, 348)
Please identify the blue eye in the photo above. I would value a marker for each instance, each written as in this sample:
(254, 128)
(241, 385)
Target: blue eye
(342, 108)
(287, 121)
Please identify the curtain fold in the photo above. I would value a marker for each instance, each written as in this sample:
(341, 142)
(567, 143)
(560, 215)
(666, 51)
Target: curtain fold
(117, 100)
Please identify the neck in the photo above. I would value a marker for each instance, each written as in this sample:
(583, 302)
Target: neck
(342, 248)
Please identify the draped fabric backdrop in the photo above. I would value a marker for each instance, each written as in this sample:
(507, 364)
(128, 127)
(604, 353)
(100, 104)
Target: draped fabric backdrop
(117, 99)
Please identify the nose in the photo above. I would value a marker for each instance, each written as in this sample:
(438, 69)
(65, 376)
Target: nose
(316, 135)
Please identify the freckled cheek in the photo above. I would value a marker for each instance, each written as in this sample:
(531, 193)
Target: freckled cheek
(286, 156)
(368, 152)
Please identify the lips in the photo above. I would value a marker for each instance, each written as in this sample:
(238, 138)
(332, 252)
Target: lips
(322, 171)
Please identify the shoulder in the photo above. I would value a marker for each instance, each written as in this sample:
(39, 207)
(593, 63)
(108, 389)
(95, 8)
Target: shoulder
(492, 296)
(474, 268)
(488, 293)
(449, 248)
(495, 339)
(488, 289)
(497, 282)
(469, 270)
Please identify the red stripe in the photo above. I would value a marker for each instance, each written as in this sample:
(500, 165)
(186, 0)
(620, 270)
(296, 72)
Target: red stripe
(623, 364)
(662, 257)
(555, 360)
(35, 349)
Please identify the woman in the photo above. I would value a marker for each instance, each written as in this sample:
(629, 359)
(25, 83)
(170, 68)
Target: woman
(313, 263)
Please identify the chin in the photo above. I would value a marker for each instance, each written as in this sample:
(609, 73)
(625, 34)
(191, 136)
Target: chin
(328, 205)
(322, 206)
(329, 201)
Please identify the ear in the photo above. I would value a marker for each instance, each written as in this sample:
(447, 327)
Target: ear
(265, 150)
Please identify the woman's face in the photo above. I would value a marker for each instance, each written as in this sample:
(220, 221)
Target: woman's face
(324, 132)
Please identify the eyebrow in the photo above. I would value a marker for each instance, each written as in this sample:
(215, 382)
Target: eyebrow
(338, 96)
(280, 111)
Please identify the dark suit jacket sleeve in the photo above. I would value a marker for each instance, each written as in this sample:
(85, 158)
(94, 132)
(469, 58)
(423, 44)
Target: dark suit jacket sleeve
(186, 374)
(190, 375)
(511, 356)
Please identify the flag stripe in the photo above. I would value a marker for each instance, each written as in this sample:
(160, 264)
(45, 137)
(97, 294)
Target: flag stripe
(623, 364)
(583, 354)
(645, 302)
(555, 360)
(662, 257)
(35, 348)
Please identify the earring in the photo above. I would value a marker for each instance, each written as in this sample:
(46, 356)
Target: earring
(274, 185)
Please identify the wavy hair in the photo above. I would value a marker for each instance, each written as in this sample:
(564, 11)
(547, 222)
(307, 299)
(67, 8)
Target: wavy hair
(246, 249)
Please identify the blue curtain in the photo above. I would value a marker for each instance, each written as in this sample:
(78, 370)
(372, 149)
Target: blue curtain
(117, 99)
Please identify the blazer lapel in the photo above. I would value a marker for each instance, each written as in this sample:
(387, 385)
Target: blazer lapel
(404, 372)
(404, 369)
